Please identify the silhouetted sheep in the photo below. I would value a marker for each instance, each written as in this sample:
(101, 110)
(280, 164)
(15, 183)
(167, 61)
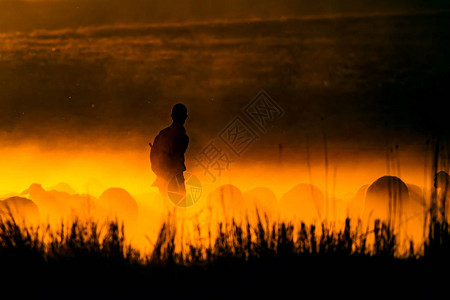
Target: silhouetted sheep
(263, 199)
(388, 196)
(53, 205)
(118, 202)
(355, 207)
(304, 202)
(416, 194)
(63, 187)
(227, 201)
(21, 209)
(56, 204)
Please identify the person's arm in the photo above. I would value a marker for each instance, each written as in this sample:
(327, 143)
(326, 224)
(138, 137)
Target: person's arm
(185, 143)
(180, 147)
(155, 156)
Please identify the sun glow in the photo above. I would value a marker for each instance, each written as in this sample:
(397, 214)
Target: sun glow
(83, 177)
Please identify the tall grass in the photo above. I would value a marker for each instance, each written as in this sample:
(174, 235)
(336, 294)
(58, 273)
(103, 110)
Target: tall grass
(240, 260)
(244, 241)
(245, 258)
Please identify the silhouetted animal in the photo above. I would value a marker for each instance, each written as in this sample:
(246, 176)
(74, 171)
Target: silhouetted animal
(63, 187)
(389, 199)
(227, 202)
(21, 209)
(386, 197)
(355, 207)
(83, 206)
(416, 194)
(263, 199)
(51, 204)
(119, 203)
(304, 202)
(80, 205)
(56, 204)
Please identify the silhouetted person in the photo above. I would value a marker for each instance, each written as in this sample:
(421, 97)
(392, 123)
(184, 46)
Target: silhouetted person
(167, 154)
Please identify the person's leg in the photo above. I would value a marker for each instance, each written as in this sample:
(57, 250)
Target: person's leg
(180, 183)
(177, 190)
(163, 191)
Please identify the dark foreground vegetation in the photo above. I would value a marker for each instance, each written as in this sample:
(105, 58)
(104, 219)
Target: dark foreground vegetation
(242, 261)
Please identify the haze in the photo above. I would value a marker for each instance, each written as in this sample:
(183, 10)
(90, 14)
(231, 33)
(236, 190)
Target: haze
(85, 85)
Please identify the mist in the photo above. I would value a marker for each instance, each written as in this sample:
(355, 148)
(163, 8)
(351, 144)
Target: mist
(364, 91)
(364, 82)
(18, 15)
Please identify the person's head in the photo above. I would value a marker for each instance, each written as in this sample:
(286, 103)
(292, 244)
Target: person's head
(179, 113)
(442, 180)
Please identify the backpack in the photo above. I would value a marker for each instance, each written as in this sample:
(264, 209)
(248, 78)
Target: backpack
(155, 157)
(160, 158)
